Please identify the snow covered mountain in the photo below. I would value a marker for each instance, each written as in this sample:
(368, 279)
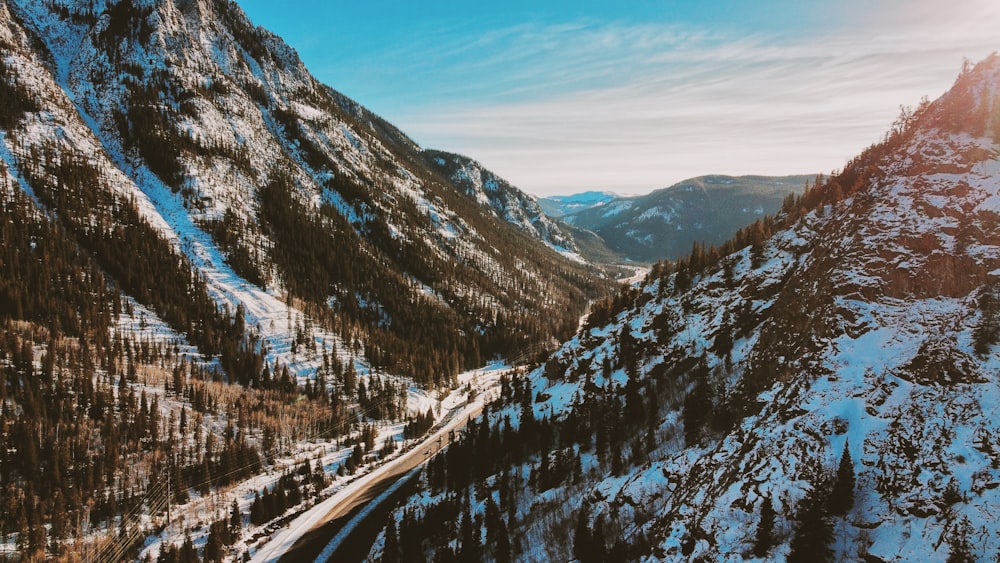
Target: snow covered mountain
(664, 224)
(823, 386)
(224, 286)
(560, 205)
(287, 200)
(506, 201)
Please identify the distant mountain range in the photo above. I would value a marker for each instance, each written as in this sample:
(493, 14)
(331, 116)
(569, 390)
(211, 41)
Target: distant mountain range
(561, 205)
(664, 224)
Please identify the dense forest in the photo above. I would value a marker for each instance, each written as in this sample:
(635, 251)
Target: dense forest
(96, 422)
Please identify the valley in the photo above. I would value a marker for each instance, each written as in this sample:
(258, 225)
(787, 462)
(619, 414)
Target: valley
(461, 407)
(238, 310)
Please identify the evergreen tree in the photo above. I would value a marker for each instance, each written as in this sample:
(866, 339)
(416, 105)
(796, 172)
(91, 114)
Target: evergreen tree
(598, 542)
(235, 519)
(469, 535)
(842, 495)
(187, 552)
(987, 330)
(582, 537)
(503, 552)
(814, 533)
(391, 552)
(213, 546)
(764, 540)
(959, 548)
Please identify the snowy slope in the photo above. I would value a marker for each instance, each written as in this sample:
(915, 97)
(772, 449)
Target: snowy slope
(192, 113)
(248, 224)
(506, 201)
(861, 318)
(562, 205)
(69, 123)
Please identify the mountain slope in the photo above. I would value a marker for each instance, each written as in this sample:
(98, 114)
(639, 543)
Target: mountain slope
(278, 190)
(224, 287)
(664, 224)
(822, 385)
(506, 201)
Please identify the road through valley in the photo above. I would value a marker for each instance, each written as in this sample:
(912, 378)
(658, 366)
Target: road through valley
(329, 525)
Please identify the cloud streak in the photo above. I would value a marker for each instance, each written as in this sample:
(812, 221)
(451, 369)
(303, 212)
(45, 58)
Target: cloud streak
(586, 105)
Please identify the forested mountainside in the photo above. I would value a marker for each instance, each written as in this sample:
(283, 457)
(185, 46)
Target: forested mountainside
(823, 386)
(209, 258)
(262, 177)
(665, 224)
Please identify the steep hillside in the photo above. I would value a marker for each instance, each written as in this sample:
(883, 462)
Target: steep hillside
(823, 386)
(285, 197)
(222, 281)
(505, 201)
(664, 224)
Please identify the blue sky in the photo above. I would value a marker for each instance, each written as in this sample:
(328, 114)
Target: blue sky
(630, 96)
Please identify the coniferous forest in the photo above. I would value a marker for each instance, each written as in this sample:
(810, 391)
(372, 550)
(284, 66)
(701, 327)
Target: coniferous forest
(229, 293)
(133, 382)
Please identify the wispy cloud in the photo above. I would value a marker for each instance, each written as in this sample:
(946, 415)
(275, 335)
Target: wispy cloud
(634, 107)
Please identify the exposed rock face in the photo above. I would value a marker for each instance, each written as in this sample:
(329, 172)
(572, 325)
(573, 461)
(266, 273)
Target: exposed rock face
(864, 317)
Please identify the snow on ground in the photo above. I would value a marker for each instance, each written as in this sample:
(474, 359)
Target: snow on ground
(457, 407)
(79, 133)
(572, 255)
(334, 544)
(143, 325)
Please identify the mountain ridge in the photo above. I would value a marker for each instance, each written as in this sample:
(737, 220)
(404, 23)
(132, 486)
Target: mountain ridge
(216, 124)
(664, 224)
(223, 283)
(822, 385)
(561, 205)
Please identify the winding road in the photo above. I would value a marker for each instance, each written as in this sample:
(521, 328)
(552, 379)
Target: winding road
(320, 531)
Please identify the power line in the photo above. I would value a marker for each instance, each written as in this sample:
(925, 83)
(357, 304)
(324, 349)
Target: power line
(120, 547)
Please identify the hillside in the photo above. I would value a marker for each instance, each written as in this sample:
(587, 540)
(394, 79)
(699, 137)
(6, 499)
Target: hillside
(823, 386)
(664, 224)
(217, 271)
(270, 182)
(507, 202)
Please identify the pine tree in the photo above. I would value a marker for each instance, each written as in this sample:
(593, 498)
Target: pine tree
(503, 552)
(814, 533)
(764, 540)
(187, 552)
(235, 519)
(598, 542)
(986, 331)
(213, 546)
(582, 537)
(959, 548)
(842, 495)
(391, 552)
(469, 535)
